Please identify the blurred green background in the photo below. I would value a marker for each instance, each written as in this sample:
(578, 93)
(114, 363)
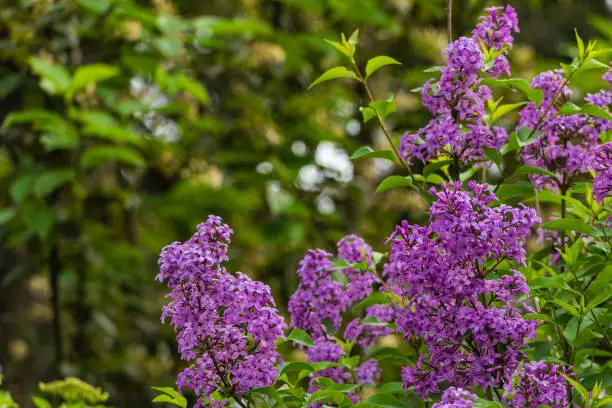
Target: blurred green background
(125, 123)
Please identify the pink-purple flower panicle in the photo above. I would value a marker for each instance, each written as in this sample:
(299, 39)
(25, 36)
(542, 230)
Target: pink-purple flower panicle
(226, 324)
(566, 145)
(536, 384)
(472, 325)
(456, 398)
(458, 130)
(325, 295)
(602, 184)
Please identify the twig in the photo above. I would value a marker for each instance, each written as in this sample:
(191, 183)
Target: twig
(449, 20)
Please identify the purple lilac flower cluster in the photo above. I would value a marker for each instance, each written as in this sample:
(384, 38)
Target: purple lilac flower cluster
(456, 398)
(567, 144)
(602, 185)
(535, 385)
(227, 324)
(495, 32)
(472, 325)
(457, 101)
(324, 295)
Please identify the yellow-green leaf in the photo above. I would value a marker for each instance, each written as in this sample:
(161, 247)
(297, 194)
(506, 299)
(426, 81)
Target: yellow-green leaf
(92, 74)
(376, 63)
(333, 73)
(505, 109)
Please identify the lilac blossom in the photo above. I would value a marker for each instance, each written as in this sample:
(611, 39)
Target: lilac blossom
(325, 295)
(456, 398)
(473, 326)
(536, 384)
(602, 184)
(226, 324)
(458, 130)
(495, 31)
(566, 144)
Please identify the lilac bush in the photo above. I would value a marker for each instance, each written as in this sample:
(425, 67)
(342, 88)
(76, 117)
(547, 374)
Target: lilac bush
(491, 316)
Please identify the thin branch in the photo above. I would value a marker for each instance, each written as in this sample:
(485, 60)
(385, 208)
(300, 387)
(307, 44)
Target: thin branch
(449, 20)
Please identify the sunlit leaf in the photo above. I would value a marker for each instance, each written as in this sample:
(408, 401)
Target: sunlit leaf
(333, 73)
(376, 63)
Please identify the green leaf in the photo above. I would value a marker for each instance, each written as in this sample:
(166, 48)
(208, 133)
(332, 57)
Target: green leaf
(482, 403)
(513, 192)
(526, 136)
(299, 336)
(504, 109)
(596, 111)
(366, 152)
(163, 398)
(116, 134)
(386, 400)
(376, 63)
(537, 317)
(194, 88)
(372, 321)
(571, 330)
(96, 118)
(8, 83)
(177, 398)
(581, 390)
(376, 298)
(569, 224)
(367, 113)
(435, 166)
(21, 187)
(333, 73)
(393, 182)
(168, 47)
(98, 156)
(385, 107)
(569, 108)
(50, 180)
(41, 402)
(340, 264)
(55, 79)
(296, 366)
(30, 116)
(599, 299)
(435, 68)
(588, 109)
(38, 219)
(571, 309)
(535, 170)
(389, 353)
(95, 6)
(57, 132)
(343, 49)
(328, 384)
(92, 74)
(393, 387)
(354, 38)
(171, 25)
(580, 45)
(534, 95)
(6, 215)
(332, 396)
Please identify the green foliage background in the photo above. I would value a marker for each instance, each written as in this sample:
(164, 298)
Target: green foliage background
(125, 123)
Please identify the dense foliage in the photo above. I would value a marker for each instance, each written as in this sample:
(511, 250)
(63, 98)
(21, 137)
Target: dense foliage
(113, 146)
